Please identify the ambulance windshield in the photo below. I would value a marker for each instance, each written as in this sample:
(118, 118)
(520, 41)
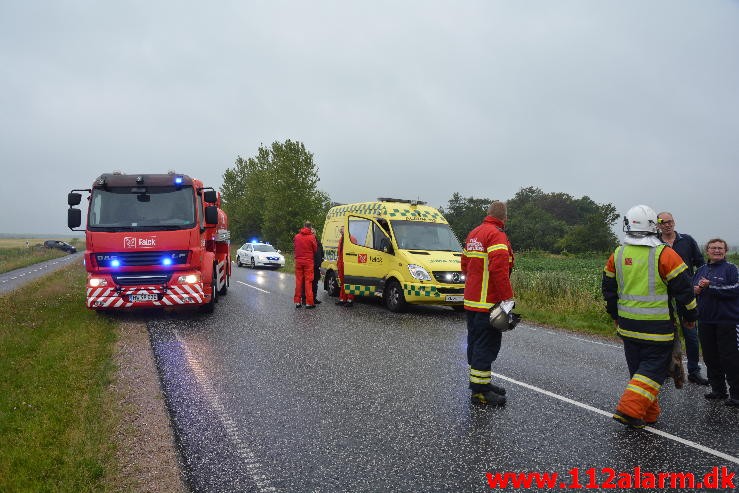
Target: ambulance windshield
(416, 235)
(141, 208)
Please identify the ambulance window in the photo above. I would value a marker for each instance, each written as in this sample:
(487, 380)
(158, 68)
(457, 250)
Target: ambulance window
(359, 230)
(380, 239)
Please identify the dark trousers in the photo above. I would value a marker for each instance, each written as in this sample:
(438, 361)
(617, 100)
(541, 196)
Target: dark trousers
(721, 354)
(692, 350)
(650, 360)
(483, 342)
(316, 277)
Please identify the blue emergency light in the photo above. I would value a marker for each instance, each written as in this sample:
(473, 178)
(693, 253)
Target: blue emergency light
(115, 263)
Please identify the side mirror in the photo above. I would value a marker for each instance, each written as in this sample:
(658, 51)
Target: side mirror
(211, 215)
(74, 198)
(74, 218)
(210, 196)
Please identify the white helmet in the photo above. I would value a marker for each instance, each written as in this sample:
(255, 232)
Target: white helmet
(641, 220)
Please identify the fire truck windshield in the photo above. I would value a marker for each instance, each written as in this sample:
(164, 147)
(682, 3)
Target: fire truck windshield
(141, 208)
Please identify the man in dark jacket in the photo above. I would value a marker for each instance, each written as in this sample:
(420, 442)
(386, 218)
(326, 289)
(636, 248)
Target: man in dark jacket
(317, 259)
(692, 256)
(305, 251)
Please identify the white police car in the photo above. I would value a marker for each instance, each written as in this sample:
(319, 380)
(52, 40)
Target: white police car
(259, 255)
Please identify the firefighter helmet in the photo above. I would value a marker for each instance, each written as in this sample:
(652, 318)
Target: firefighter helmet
(502, 316)
(641, 220)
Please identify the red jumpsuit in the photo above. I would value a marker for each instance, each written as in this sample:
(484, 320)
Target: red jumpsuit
(343, 295)
(305, 249)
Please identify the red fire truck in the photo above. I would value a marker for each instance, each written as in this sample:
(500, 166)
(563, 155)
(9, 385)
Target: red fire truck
(153, 240)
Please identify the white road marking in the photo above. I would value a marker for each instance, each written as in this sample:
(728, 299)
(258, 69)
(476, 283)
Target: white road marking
(661, 433)
(255, 468)
(254, 287)
(575, 337)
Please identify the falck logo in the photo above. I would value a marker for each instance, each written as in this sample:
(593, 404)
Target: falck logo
(137, 242)
(362, 258)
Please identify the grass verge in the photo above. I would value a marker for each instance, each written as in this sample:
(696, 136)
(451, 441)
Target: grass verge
(55, 367)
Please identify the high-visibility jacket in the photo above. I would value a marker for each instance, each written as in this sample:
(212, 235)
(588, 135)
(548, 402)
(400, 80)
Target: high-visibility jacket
(638, 282)
(487, 262)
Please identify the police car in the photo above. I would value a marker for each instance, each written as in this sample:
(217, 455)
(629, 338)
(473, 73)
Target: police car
(256, 254)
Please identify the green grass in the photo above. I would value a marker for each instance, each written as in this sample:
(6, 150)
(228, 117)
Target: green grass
(563, 291)
(55, 367)
(19, 257)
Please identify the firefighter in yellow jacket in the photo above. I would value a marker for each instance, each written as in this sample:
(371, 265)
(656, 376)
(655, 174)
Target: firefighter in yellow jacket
(639, 280)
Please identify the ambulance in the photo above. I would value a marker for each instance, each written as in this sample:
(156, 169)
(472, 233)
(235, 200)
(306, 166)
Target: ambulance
(402, 251)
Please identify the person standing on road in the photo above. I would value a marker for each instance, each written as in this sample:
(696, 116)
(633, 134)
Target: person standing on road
(688, 249)
(716, 285)
(345, 299)
(305, 250)
(487, 262)
(317, 260)
(639, 279)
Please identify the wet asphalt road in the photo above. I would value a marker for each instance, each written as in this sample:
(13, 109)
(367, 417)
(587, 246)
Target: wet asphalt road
(12, 280)
(264, 397)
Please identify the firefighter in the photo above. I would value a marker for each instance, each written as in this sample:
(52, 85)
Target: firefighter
(305, 250)
(639, 278)
(487, 263)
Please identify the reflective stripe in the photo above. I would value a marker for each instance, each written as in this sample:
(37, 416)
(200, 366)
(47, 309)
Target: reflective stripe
(478, 304)
(475, 254)
(645, 336)
(636, 297)
(499, 246)
(692, 305)
(479, 380)
(646, 380)
(485, 279)
(644, 311)
(608, 273)
(641, 391)
(480, 373)
(676, 272)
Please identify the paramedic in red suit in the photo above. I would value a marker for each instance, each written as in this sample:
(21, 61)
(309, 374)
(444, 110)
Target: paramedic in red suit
(346, 299)
(487, 263)
(305, 250)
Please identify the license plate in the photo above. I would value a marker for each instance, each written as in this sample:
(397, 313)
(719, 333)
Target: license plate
(454, 298)
(142, 297)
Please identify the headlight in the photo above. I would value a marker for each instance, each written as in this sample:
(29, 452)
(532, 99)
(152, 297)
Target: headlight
(189, 279)
(419, 272)
(96, 282)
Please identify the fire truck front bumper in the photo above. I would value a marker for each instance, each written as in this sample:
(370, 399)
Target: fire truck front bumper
(112, 298)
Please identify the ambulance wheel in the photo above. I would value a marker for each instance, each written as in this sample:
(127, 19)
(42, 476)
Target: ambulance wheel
(458, 308)
(394, 299)
(332, 284)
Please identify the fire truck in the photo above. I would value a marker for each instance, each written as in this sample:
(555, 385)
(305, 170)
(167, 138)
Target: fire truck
(153, 240)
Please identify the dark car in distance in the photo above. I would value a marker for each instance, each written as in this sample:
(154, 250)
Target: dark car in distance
(60, 245)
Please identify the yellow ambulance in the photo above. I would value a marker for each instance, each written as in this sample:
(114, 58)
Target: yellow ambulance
(400, 250)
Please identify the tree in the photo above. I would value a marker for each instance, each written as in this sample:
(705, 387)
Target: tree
(551, 222)
(464, 214)
(272, 194)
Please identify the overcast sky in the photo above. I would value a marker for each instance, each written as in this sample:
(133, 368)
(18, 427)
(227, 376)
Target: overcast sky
(626, 102)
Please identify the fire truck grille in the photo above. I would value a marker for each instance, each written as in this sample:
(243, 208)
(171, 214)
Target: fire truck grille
(138, 279)
(120, 259)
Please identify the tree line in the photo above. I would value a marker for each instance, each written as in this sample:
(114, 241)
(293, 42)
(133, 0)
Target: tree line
(270, 195)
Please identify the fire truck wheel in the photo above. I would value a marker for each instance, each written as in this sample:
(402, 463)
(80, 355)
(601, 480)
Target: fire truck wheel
(210, 307)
